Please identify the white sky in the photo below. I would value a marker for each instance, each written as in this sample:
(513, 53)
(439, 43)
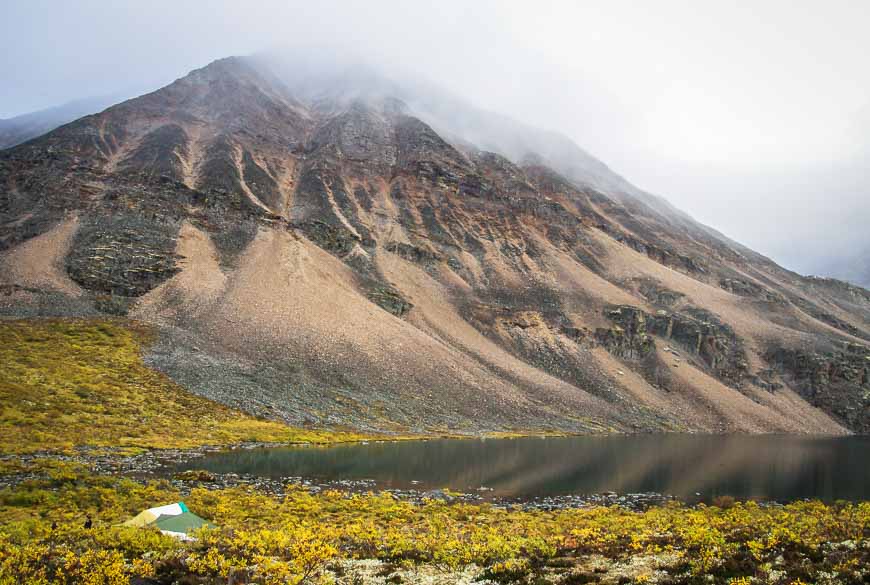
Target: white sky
(675, 95)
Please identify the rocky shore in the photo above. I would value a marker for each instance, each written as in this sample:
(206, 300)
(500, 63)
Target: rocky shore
(167, 463)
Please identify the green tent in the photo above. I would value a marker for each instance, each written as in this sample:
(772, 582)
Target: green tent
(172, 519)
(149, 516)
(180, 525)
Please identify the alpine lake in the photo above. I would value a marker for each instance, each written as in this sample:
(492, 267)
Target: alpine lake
(691, 468)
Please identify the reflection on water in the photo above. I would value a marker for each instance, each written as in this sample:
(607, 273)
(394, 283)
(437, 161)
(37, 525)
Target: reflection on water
(747, 467)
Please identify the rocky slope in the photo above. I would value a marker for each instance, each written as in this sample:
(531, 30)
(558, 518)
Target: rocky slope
(324, 256)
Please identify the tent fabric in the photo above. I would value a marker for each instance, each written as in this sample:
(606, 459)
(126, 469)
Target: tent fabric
(185, 523)
(170, 510)
(141, 519)
(151, 514)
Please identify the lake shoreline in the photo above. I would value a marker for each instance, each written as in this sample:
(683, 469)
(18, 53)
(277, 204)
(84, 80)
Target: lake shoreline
(182, 468)
(158, 465)
(692, 468)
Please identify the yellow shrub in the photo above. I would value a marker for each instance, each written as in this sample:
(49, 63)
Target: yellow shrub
(100, 567)
(275, 539)
(72, 382)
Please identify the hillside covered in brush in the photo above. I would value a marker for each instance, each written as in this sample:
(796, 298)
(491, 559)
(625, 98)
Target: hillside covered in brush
(340, 254)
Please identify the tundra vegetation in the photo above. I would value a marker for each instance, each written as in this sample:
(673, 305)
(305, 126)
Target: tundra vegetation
(322, 537)
(70, 384)
(67, 384)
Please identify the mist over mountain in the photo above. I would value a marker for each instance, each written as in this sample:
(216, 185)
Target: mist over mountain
(323, 75)
(809, 217)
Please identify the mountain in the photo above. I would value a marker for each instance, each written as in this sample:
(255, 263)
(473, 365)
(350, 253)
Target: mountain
(22, 128)
(340, 250)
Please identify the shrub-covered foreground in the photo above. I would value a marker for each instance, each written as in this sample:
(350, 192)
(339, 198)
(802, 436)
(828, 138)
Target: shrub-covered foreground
(317, 537)
(67, 383)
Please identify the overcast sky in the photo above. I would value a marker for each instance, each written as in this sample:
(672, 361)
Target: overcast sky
(749, 115)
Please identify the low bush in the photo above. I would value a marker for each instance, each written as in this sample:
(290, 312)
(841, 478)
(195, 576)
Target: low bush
(70, 383)
(267, 539)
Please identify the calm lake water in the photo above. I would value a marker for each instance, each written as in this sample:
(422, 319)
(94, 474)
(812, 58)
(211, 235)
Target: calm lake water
(692, 467)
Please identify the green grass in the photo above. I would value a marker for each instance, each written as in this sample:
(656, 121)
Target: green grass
(73, 383)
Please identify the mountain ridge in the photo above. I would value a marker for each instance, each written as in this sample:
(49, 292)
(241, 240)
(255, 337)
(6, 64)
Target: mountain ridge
(336, 261)
(18, 129)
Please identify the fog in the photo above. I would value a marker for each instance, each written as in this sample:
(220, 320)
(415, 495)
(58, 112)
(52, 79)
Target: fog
(753, 117)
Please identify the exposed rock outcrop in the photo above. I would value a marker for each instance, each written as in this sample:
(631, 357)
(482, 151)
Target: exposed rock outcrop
(750, 289)
(416, 254)
(697, 331)
(630, 338)
(390, 300)
(123, 257)
(837, 381)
